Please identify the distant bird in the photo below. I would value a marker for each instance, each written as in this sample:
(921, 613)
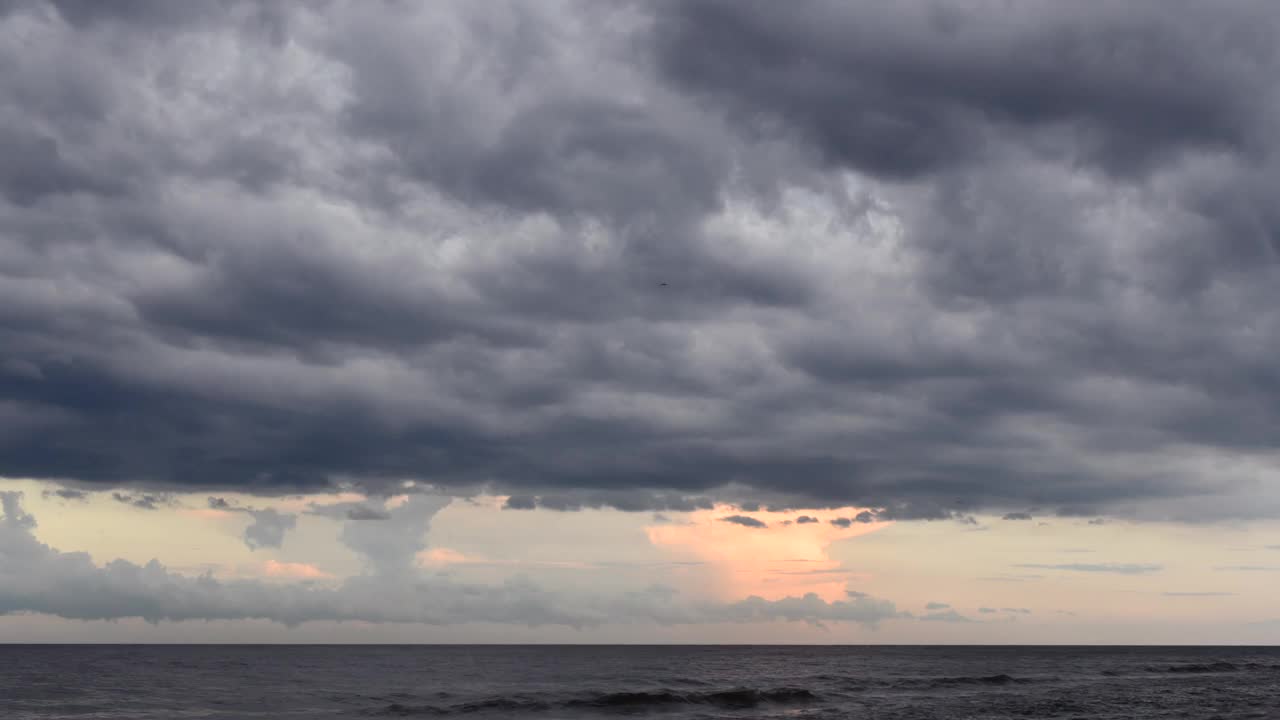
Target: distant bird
(662, 284)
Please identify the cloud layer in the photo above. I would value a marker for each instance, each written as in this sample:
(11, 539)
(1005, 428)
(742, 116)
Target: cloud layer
(37, 578)
(926, 257)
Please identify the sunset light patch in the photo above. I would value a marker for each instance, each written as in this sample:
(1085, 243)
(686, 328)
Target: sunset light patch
(294, 570)
(445, 556)
(777, 557)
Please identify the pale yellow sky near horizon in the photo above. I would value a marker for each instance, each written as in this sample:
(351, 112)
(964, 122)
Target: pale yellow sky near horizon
(1213, 583)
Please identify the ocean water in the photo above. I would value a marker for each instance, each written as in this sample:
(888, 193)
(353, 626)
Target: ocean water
(884, 683)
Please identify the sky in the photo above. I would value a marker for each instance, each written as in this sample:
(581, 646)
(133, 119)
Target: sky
(945, 321)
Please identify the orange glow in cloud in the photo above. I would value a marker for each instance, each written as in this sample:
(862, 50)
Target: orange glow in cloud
(440, 556)
(445, 556)
(785, 558)
(274, 568)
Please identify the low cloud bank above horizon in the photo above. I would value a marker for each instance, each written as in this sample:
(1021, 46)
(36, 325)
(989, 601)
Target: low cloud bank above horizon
(37, 578)
(651, 257)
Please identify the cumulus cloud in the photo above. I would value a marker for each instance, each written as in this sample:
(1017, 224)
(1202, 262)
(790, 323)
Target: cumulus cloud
(389, 546)
(268, 528)
(37, 578)
(646, 256)
(806, 519)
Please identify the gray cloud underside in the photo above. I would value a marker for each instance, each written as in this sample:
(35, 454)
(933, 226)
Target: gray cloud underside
(745, 521)
(37, 578)
(141, 501)
(67, 494)
(895, 255)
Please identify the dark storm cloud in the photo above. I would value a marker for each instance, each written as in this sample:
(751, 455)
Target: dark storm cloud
(153, 13)
(744, 521)
(520, 502)
(646, 257)
(907, 89)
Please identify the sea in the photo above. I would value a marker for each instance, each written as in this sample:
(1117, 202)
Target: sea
(487, 681)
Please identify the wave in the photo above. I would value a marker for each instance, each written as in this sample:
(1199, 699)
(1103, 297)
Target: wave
(960, 681)
(396, 709)
(735, 699)
(513, 705)
(980, 680)
(1195, 668)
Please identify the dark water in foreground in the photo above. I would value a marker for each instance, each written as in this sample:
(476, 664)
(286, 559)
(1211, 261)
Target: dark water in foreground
(886, 683)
